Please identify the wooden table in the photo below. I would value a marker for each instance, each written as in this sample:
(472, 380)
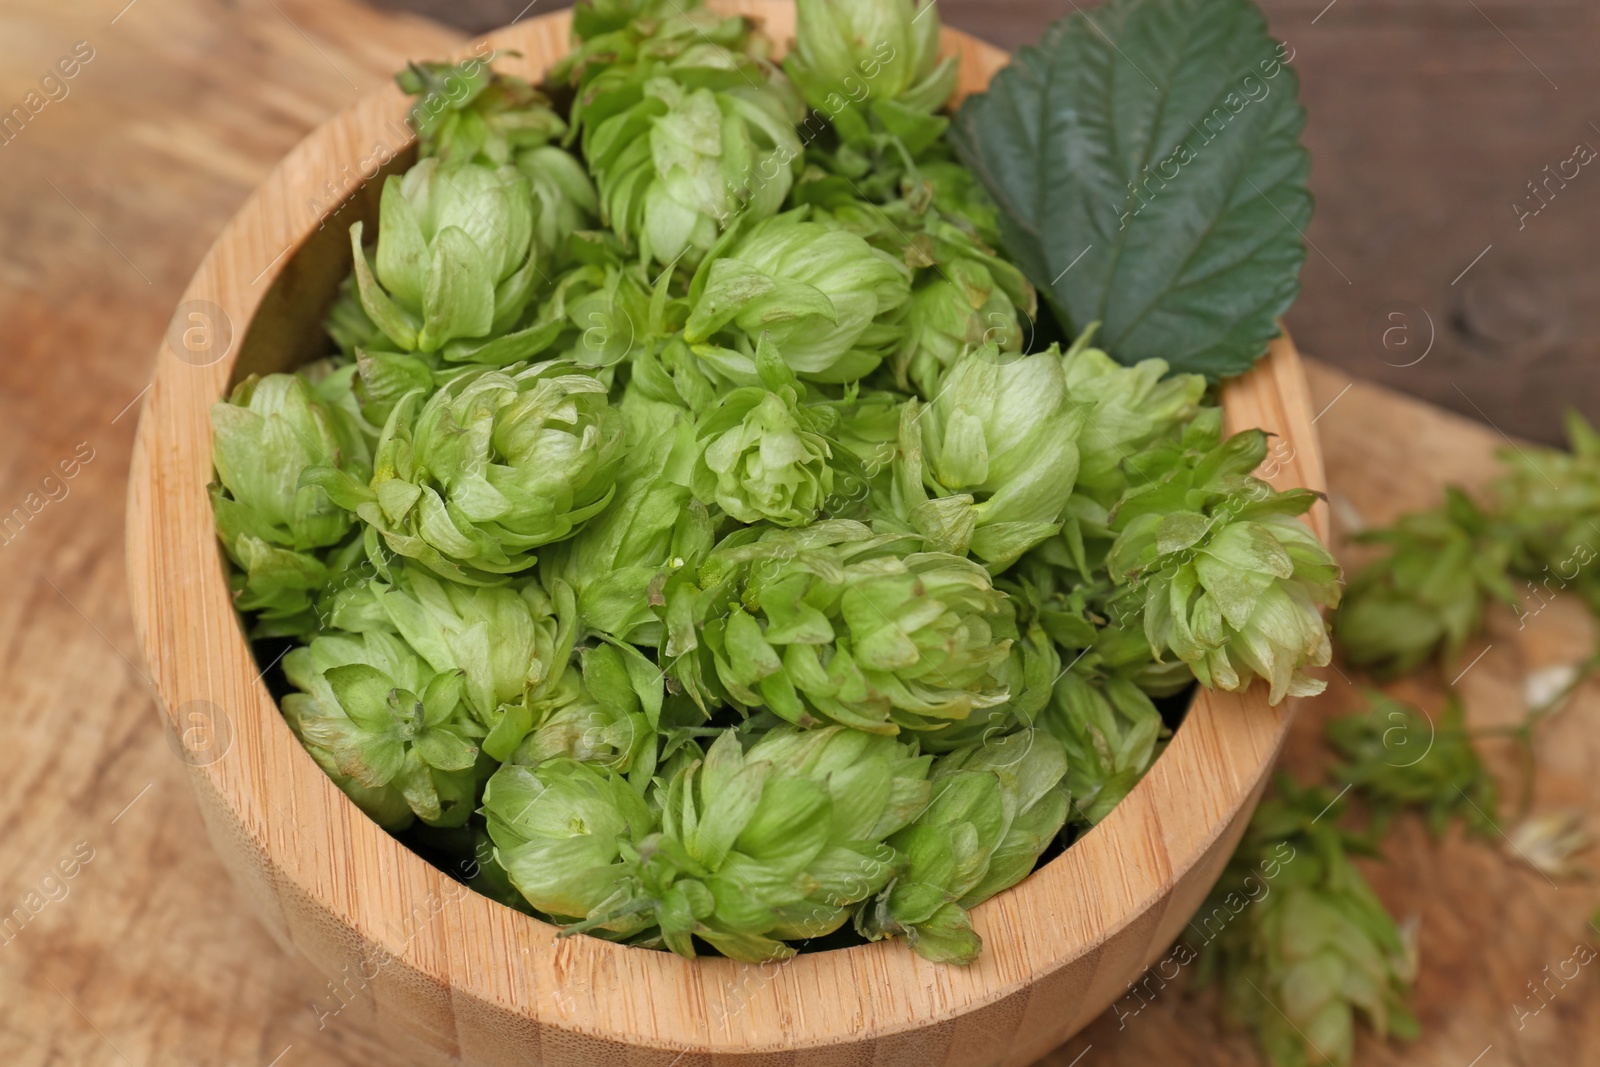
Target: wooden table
(108, 198)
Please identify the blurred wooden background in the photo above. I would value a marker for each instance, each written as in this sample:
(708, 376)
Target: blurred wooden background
(1428, 120)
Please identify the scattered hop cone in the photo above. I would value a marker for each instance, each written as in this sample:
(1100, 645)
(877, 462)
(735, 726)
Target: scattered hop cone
(615, 37)
(267, 434)
(832, 623)
(373, 709)
(560, 828)
(1234, 589)
(1400, 759)
(988, 465)
(454, 259)
(495, 464)
(469, 112)
(767, 456)
(564, 198)
(830, 302)
(1312, 948)
(850, 53)
(779, 842)
(1427, 597)
(995, 807)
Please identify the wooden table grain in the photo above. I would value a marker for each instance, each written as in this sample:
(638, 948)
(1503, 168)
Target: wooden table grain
(121, 941)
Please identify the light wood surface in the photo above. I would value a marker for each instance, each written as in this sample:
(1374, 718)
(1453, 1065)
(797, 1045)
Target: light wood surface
(470, 981)
(149, 957)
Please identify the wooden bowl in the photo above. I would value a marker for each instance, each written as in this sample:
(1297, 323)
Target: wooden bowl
(456, 978)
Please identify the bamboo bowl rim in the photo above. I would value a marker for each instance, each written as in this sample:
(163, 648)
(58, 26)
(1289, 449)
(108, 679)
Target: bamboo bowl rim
(326, 852)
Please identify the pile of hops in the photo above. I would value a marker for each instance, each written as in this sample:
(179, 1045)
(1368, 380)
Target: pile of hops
(688, 527)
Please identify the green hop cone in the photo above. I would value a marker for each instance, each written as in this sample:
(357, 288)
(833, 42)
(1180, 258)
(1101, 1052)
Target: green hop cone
(605, 712)
(832, 623)
(995, 808)
(1128, 410)
(616, 37)
(676, 163)
(454, 259)
(1549, 500)
(379, 717)
(267, 434)
(988, 465)
(1427, 596)
(510, 643)
(1312, 949)
(495, 464)
(1110, 731)
(965, 302)
(830, 302)
(564, 199)
(468, 112)
(774, 844)
(1234, 588)
(767, 454)
(652, 528)
(560, 828)
(881, 55)
(1399, 759)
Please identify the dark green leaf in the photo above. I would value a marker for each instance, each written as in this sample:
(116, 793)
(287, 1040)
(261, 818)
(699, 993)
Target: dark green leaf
(1158, 140)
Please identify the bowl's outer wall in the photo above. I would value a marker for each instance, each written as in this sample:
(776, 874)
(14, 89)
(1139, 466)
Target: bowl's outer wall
(458, 979)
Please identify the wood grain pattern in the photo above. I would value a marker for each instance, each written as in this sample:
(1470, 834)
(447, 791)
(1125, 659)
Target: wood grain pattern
(464, 980)
(150, 957)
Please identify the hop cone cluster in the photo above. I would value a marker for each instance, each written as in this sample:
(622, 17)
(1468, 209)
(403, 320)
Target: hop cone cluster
(685, 530)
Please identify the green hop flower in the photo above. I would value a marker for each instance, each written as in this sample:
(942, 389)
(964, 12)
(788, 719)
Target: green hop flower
(830, 302)
(560, 828)
(831, 623)
(267, 434)
(652, 527)
(988, 465)
(495, 464)
(1398, 758)
(766, 453)
(510, 643)
(780, 842)
(995, 808)
(883, 54)
(454, 259)
(1224, 576)
(1128, 410)
(675, 163)
(1110, 731)
(1312, 947)
(375, 712)
(605, 712)
(469, 112)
